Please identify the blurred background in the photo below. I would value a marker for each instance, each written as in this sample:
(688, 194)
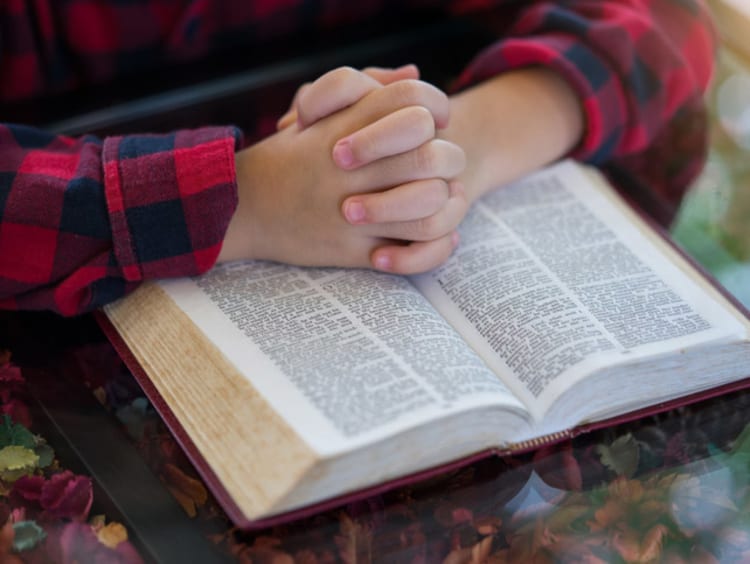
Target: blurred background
(714, 220)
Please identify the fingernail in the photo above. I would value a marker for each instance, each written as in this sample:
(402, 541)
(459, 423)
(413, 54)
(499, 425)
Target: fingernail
(383, 262)
(354, 212)
(342, 153)
(283, 119)
(455, 239)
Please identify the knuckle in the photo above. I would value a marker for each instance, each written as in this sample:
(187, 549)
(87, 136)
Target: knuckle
(344, 72)
(437, 193)
(422, 119)
(449, 157)
(426, 159)
(422, 229)
(302, 89)
(339, 77)
(378, 208)
(365, 145)
(459, 157)
(407, 92)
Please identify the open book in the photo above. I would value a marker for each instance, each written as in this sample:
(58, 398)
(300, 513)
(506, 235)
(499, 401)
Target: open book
(292, 386)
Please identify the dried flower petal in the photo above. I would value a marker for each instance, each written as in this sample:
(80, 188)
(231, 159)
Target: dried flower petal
(305, 556)
(45, 453)
(10, 373)
(112, 535)
(652, 543)
(17, 410)
(97, 522)
(15, 434)
(67, 496)
(76, 542)
(488, 525)
(192, 491)
(621, 456)
(27, 535)
(6, 539)
(16, 461)
(354, 540)
(264, 551)
(629, 491)
(633, 546)
(18, 514)
(29, 487)
(186, 502)
(627, 546)
(476, 554)
(607, 515)
(558, 467)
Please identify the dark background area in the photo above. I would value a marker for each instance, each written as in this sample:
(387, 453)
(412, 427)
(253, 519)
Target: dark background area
(222, 89)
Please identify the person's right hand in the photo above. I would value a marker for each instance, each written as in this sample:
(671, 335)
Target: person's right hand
(291, 189)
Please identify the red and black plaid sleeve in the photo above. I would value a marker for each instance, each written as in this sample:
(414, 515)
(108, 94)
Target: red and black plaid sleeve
(640, 67)
(634, 63)
(84, 220)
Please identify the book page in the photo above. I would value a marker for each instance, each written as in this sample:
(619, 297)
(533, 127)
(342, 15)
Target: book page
(347, 357)
(552, 281)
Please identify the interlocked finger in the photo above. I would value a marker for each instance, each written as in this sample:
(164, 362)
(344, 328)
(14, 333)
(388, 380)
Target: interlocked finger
(408, 202)
(348, 85)
(414, 257)
(398, 132)
(404, 93)
(437, 225)
(435, 159)
(382, 75)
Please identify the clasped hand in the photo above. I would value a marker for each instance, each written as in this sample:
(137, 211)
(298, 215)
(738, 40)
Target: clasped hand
(355, 176)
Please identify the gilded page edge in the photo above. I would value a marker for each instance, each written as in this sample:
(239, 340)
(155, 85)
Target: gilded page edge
(254, 453)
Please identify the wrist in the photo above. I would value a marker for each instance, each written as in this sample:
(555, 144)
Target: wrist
(240, 240)
(513, 124)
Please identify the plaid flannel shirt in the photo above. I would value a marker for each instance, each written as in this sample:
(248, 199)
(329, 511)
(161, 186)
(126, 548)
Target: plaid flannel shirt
(83, 221)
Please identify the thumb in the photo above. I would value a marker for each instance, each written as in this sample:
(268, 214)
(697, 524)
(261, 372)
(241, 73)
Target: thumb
(381, 75)
(386, 76)
(291, 114)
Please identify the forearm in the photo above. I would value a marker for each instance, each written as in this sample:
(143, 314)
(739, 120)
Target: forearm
(513, 124)
(638, 66)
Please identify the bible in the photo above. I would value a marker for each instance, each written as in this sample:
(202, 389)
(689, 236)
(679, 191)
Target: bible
(562, 309)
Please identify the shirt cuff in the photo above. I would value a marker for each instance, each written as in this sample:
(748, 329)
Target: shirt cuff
(598, 88)
(170, 198)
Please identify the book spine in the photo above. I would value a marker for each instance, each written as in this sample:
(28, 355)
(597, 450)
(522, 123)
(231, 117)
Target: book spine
(537, 442)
